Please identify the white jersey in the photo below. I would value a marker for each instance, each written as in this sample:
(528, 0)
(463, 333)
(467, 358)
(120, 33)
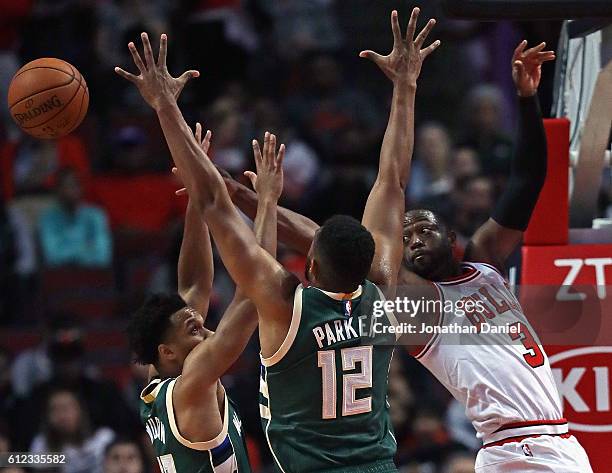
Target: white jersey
(501, 374)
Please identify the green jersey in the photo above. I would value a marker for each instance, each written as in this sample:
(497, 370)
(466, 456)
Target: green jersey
(226, 453)
(323, 394)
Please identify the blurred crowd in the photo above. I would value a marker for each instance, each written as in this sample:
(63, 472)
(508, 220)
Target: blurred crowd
(90, 223)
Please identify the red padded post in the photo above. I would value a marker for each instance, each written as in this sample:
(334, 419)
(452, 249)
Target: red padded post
(550, 220)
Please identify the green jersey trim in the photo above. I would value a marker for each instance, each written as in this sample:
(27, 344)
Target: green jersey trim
(269, 413)
(291, 333)
(149, 393)
(208, 445)
(341, 296)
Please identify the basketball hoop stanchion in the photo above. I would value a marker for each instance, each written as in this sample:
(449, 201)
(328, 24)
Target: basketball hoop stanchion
(550, 220)
(581, 357)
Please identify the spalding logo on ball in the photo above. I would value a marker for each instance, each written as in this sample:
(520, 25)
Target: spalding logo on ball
(48, 98)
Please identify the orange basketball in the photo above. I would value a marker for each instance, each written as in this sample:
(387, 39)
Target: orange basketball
(48, 98)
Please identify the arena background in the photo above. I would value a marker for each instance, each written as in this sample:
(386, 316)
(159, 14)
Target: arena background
(288, 66)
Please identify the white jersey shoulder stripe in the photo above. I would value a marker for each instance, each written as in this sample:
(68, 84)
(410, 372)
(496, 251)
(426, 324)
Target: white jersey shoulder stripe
(471, 274)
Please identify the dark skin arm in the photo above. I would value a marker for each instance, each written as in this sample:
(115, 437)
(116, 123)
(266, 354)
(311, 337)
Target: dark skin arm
(195, 264)
(214, 356)
(294, 230)
(253, 269)
(385, 207)
(268, 183)
(493, 242)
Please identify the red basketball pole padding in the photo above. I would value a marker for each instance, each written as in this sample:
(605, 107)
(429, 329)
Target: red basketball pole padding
(566, 294)
(550, 220)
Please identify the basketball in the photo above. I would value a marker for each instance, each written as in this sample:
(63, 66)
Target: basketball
(48, 98)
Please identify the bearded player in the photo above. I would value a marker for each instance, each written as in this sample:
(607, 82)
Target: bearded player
(192, 423)
(324, 382)
(503, 380)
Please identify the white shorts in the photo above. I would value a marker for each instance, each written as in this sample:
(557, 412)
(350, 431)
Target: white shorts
(546, 453)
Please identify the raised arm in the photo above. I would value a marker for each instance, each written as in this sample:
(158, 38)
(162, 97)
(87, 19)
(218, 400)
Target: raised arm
(294, 230)
(383, 214)
(258, 274)
(215, 355)
(195, 264)
(497, 238)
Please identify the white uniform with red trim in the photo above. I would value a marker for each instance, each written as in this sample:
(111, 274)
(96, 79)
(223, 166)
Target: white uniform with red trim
(503, 379)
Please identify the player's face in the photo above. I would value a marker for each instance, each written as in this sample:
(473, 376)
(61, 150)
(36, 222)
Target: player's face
(427, 247)
(186, 333)
(123, 458)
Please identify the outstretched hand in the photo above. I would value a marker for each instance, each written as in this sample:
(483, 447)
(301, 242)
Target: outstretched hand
(527, 67)
(204, 144)
(404, 62)
(268, 182)
(155, 82)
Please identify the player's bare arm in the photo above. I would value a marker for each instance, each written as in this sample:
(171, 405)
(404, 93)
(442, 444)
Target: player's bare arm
(295, 231)
(195, 264)
(258, 274)
(268, 183)
(215, 355)
(497, 238)
(384, 209)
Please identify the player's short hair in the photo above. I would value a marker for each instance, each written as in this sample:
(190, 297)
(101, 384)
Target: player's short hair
(149, 324)
(414, 215)
(346, 250)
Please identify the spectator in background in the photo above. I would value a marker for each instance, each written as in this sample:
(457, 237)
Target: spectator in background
(117, 23)
(33, 366)
(430, 176)
(32, 164)
(14, 12)
(328, 107)
(63, 29)
(139, 378)
(483, 131)
(139, 200)
(429, 445)
(66, 429)
(7, 393)
(218, 36)
(123, 456)
(401, 398)
(72, 232)
(301, 164)
(228, 144)
(5, 447)
(143, 210)
(460, 428)
(474, 198)
(70, 371)
(460, 463)
(17, 260)
(465, 163)
(301, 27)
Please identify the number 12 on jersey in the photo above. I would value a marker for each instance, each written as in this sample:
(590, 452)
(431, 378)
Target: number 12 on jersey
(351, 382)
